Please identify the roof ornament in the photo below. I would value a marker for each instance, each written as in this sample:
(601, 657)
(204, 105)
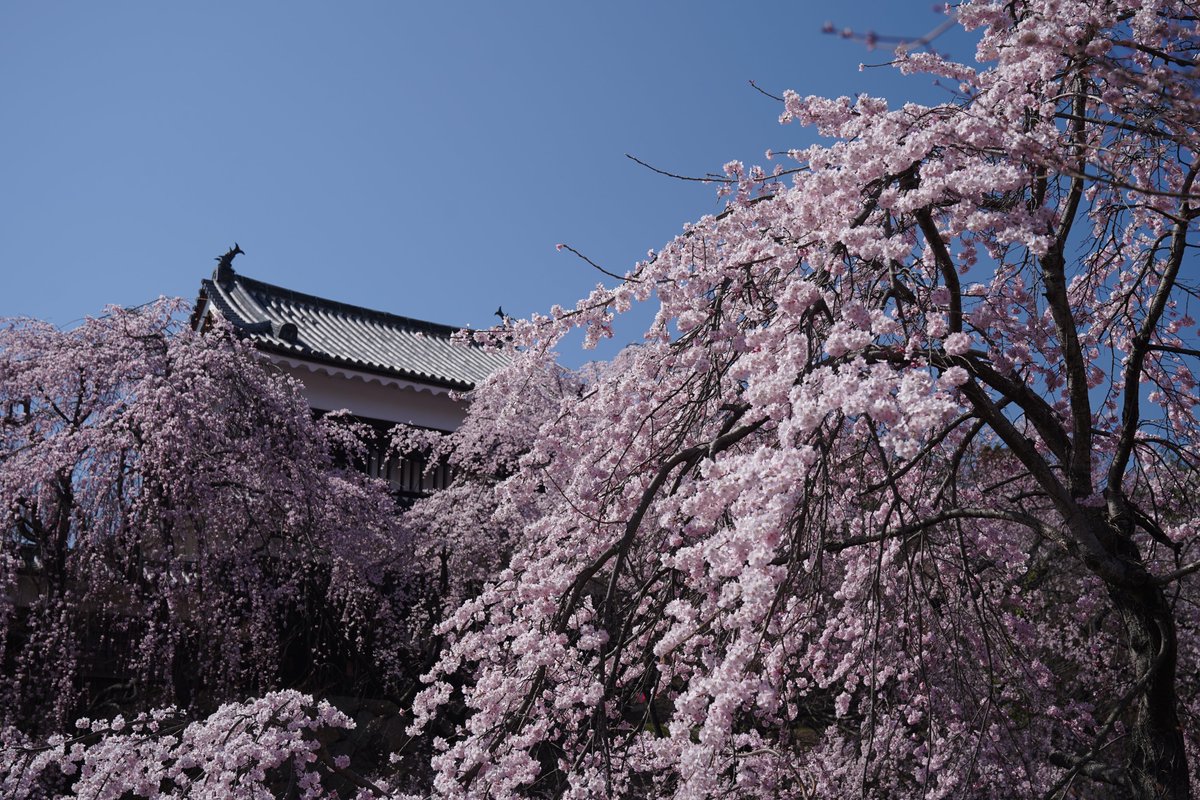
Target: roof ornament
(288, 332)
(224, 271)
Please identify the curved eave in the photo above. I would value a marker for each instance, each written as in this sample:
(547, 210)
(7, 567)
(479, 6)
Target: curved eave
(300, 358)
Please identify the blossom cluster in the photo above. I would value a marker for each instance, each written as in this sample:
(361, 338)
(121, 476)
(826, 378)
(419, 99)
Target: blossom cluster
(253, 749)
(877, 507)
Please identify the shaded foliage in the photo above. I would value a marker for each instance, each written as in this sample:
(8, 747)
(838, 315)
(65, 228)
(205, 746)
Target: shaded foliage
(175, 531)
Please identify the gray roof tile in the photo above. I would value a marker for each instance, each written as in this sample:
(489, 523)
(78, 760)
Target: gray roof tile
(340, 334)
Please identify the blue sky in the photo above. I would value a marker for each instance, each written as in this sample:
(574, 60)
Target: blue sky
(421, 158)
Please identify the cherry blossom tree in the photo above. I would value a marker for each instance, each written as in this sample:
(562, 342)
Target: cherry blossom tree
(463, 534)
(175, 529)
(898, 496)
(268, 747)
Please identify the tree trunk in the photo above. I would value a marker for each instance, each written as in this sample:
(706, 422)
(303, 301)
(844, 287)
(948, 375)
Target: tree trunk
(1157, 766)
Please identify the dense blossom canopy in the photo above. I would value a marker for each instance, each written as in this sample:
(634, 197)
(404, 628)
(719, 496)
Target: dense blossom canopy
(897, 497)
(175, 529)
(259, 749)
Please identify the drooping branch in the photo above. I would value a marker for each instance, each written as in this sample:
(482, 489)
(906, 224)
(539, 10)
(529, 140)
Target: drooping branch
(1143, 340)
(1027, 520)
(1079, 463)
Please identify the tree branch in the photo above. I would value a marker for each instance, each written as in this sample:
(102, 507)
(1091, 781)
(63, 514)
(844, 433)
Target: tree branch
(1130, 411)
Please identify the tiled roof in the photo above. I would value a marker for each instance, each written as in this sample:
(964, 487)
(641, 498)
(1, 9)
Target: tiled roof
(310, 328)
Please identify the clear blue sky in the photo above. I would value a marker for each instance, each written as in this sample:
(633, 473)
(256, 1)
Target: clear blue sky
(417, 157)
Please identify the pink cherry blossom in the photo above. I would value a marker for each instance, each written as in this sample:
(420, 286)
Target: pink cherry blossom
(879, 506)
(174, 509)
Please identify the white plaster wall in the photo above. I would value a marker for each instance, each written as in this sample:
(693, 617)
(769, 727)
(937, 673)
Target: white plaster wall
(367, 396)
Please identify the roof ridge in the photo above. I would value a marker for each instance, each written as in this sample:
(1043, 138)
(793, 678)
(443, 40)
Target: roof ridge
(436, 328)
(318, 330)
